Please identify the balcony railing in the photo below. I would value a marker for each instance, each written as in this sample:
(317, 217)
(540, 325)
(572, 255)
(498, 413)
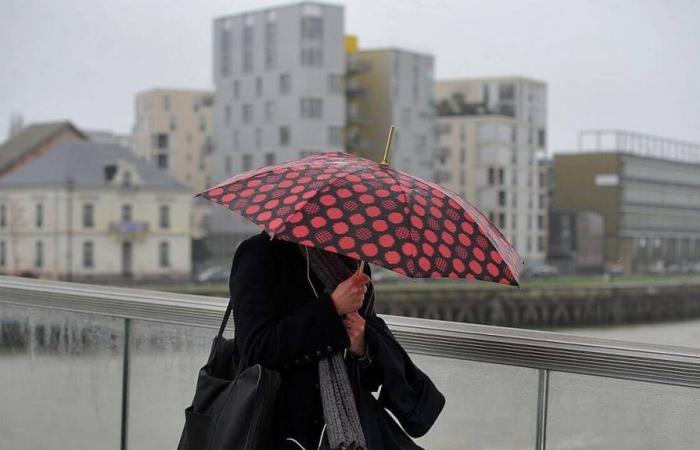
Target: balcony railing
(97, 366)
(128, 227)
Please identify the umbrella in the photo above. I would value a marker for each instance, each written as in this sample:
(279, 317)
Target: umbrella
(372, 212)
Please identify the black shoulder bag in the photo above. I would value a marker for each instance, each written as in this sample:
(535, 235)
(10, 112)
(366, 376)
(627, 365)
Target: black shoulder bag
(233, 404)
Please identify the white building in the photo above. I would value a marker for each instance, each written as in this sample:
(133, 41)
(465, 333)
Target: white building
(278, 76)
(492, 137)
(94, 211)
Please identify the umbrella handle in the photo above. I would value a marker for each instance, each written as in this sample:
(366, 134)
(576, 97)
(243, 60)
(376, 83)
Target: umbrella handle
(360, 267)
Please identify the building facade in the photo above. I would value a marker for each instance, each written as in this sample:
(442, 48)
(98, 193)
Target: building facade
(648, 193)
(278, 76)
(173, 131)
(391, 87)
(93, 211)
(492, 152)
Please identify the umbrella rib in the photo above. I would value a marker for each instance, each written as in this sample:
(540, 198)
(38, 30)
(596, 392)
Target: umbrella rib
(410, 225)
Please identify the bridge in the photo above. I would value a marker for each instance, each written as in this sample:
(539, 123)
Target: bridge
(86, 366)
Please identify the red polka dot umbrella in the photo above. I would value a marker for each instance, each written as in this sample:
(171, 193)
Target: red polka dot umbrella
(370, 211)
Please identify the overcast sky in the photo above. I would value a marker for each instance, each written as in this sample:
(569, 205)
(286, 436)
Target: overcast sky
(632, 64)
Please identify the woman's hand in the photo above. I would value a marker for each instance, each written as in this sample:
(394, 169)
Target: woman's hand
(348, 295)
(355, 326)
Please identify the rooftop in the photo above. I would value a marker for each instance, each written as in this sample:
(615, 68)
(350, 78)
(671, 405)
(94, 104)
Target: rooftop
(29, 138)
(84, 162)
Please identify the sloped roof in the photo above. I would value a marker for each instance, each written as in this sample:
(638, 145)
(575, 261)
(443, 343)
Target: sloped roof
(85, 162)
(29, 138)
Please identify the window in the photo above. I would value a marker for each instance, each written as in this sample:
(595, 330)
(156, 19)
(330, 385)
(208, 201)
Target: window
(166, 103)
(236, 89)
(173, 123)
(311, 57)
(285, 83)
(501, 198)
(226, 49)
(88, 215)
(164, 253)
(514, 221)
(501, 175)
(269, 112)
(501, 220)
(3, 255)
(311, 108)
(271, 40)
(248, 36)
(247, 113)
(506, 92)
(540, 222)
(161, 140)
(334, 136)
(162, 161)
(335, 84)
(164, 216)
(235, 139)
(285, 136)
(269, 159)
(258, 86)
(492, 176)
(227, 115)
(258, 138)
(312, 27)
(126, 213)
(126, 179)
(88, 257)
(39, 215)
(247, 162)
(541, 138)
(38, 254)
(3, 216)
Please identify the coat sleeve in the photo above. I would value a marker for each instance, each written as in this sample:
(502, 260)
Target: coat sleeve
(266, 336)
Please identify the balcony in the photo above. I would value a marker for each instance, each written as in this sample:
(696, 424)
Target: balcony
(128, 228)
(126, 361)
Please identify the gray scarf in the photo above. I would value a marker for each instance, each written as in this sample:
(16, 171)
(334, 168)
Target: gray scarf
(342, 421)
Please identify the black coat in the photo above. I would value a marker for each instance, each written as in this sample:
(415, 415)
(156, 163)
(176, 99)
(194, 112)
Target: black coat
(280, 324)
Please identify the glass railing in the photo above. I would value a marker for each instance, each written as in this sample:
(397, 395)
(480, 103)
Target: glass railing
(100, 367)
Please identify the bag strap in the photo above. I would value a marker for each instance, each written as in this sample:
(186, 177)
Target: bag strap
(226, 316)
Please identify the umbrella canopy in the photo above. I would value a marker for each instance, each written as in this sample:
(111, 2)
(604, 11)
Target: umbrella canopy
(370, 211)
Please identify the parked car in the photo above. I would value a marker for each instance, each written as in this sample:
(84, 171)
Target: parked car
(214, 274)
(541, 271)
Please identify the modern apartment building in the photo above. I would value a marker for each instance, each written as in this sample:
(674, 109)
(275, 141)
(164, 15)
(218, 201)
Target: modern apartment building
(278, 76)
(647, 189)
(492, 152)
(172, 130)
(94, 211)
(391, 87)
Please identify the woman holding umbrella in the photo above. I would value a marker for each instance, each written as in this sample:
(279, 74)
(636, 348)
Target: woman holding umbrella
(282, 325)
(303, 301)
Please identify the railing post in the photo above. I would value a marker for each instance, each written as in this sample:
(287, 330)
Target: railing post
(125, 386)
(542, 394)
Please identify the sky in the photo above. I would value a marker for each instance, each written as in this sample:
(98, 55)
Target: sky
(628, 64)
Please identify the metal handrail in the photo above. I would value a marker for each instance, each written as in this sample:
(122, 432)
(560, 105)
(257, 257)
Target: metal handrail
(509, 346)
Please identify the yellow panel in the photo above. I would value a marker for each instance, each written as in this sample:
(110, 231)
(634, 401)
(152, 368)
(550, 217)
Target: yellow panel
(350, 44)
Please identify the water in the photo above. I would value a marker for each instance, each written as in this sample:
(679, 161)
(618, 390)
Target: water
(682, 333)
(61, 385)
